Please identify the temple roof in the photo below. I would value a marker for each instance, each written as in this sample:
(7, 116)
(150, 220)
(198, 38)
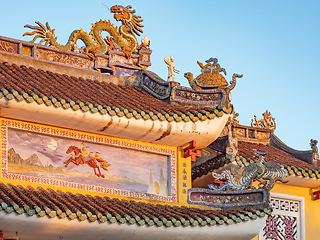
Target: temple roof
(293, 165)
(62, 90)
(47, 202)
(274, 154)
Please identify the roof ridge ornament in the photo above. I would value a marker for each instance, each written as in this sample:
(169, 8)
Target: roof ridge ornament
(232, 189)
(232, 148)
(266, 173)
(171, 68)
(234, 118)
(315, 154)
(209, 89)
(210, 76)
(123, 38)
(268, 122)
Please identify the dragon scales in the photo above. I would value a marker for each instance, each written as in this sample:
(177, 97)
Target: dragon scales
(124, 39)
(266, 173)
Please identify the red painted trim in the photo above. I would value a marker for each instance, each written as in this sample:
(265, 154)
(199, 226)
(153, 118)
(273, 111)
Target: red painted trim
(193, 154)
(316, 195)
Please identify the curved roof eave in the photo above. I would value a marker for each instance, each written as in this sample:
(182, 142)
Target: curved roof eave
(154, 131)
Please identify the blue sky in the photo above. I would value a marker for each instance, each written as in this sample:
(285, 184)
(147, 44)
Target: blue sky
(275, 44)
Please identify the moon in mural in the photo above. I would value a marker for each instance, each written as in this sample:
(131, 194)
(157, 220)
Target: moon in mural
(52, 144)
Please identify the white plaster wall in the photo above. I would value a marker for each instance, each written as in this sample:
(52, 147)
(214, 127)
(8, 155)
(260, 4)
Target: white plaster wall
(203, 132)
(33, 228)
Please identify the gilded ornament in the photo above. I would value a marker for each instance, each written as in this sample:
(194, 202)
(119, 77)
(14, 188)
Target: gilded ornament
(234, 118)
(210, 76)
(313, 144)
(123, 40)
(268, 122)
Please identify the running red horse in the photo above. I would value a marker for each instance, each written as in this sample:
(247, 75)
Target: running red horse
(80, 157)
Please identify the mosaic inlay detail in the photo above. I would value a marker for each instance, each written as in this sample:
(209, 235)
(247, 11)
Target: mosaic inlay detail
(189, 96)
(226, 198)
(157, 88)
(195, 96)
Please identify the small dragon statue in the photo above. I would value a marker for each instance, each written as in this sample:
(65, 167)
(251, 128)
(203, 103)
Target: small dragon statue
(313, 145)
(124, 39)
(266, 173)
(315, 153)
(267, 122)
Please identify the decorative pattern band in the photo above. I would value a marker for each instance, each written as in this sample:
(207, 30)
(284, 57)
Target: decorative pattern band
(226, 198)
(155, 87)
(189, 97)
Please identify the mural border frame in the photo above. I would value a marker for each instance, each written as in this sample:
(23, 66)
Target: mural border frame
(99, 139)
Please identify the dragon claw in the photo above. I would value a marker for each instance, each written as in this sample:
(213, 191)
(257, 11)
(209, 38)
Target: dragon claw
(124, 37)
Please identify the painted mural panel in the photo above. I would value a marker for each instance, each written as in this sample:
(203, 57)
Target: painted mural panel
(104, 164)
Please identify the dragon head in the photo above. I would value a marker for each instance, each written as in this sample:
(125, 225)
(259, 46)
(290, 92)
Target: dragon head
(128, 18)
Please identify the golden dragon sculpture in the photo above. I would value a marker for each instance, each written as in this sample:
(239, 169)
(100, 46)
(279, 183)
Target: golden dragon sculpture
(124, 39)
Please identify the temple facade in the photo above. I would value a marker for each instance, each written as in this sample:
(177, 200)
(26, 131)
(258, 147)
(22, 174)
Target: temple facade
(96, 146)
(294, 201)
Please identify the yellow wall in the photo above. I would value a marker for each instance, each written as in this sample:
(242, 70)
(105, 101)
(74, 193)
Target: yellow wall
(182, 169)
(184, 176)
(312, 208)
